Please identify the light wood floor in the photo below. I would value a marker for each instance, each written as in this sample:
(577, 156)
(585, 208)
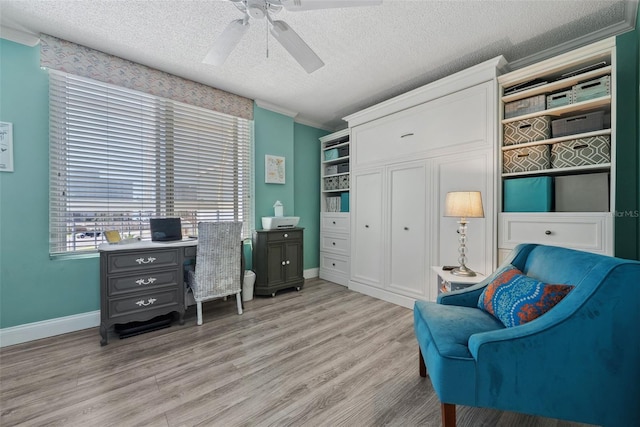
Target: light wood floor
(324, 356)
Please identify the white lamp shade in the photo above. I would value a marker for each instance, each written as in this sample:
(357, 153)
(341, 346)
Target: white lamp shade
(464, 204)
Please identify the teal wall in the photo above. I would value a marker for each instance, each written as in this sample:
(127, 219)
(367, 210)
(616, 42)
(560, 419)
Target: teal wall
(627, 221)
(35, 288)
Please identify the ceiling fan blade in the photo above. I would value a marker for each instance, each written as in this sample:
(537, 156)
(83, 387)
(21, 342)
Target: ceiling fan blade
(226, 42)
(302, 5)
(296, 47)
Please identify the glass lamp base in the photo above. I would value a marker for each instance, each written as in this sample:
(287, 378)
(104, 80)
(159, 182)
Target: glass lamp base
(463, 271)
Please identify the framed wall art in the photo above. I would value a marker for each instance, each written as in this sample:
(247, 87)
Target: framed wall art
(6, 147)
(274, 169)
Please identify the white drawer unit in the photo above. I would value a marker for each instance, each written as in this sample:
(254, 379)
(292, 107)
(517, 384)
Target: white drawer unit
(334, 223)
(589, 232)
(335, 243)
(334, 264)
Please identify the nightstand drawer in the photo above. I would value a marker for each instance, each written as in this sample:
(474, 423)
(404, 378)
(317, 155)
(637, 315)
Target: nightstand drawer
(149, 301)
(142, 281)
(335, 243)
(141, 260)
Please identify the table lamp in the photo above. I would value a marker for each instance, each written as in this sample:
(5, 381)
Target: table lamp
(463, 204)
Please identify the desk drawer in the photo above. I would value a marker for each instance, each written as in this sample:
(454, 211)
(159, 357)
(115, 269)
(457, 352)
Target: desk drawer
(152, 300)
(583, 232)
(141, 281)
(142, 260)
(283, 235)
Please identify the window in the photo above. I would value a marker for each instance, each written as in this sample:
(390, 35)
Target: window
(120, 157)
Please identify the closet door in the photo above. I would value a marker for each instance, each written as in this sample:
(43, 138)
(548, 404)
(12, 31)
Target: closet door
(367, 232)
(407, 252)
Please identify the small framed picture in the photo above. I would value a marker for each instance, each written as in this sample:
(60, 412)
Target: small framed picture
(274, 169)
(6, 147)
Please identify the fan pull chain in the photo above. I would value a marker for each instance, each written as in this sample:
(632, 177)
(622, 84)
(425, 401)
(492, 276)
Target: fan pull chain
(267, 28)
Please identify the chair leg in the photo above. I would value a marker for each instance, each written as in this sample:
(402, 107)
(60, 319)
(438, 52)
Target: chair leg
(423, 367)
(239, 303)
(448, 411)
(199, 306)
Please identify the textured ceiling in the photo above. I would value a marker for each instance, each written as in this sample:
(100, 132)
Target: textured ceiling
(371, 53)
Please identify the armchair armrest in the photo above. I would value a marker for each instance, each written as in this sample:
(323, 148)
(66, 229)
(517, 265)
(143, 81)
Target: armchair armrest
(467, 297)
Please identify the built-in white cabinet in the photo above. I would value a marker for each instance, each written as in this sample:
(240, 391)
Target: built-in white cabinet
(407, 153)
(557, 151)
(335, 226)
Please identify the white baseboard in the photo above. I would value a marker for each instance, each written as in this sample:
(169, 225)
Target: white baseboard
(311, 273)
(382, 294)
(48, 328)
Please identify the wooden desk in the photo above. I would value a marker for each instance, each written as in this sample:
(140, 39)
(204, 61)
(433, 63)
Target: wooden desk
(142, 280)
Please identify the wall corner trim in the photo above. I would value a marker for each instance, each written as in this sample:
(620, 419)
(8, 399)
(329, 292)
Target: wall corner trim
(49, 328)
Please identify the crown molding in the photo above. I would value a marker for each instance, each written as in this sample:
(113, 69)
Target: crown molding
(19, 36)
(628, 24)
(275, 108)
(307, 122)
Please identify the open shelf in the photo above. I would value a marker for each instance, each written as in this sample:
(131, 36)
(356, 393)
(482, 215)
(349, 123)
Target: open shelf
(557, 140)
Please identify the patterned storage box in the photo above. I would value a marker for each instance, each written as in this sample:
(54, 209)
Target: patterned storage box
(592, 89)
(581, 152)
(343, 182)
(331, 183)
(559, 99)
(578, 124)
(524, 106)
(331, 154)
(331, 170)
(526, 159)
(534, 129)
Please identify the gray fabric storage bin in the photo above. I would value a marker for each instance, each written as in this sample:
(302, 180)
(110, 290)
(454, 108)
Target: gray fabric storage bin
(582, 193)
(343, 167)
(526, 159)
(527, 130)
(331, 170)
(578, 124)
(581, 152)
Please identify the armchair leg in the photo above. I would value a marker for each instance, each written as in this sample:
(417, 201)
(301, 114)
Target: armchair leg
(423, 367)
(448, 414)
(199, 308)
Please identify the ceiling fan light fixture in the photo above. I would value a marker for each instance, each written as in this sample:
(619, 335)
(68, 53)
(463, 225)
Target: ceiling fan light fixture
(296, 47)
(226, 42)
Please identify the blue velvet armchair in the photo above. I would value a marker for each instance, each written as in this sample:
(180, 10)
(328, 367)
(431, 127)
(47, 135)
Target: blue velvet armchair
(579, 361)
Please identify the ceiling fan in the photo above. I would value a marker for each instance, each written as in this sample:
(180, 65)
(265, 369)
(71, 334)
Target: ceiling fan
(281, 31)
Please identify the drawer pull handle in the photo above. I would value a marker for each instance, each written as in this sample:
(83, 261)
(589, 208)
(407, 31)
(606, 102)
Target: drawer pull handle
(548, 232)
(406, 228)
(149, 281)
(147, 261)
(150, 301)
(366, 226)
(406, 134)
(283, 262)
(334, 223)
(333, 243)
(288, 262)
(286, 235)
(333, 264)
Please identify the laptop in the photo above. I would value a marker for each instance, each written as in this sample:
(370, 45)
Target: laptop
(165, 229)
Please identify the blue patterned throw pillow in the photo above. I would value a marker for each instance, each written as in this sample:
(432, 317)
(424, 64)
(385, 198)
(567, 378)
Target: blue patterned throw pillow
(516, 299)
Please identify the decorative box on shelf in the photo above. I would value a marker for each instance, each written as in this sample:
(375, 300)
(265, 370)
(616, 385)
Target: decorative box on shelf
(578, 124)
(592, 89)
(581, 152)
(331, 154)
(530, 194)
(526, 159)
(527, 130)
(524, 106)
(559, 99)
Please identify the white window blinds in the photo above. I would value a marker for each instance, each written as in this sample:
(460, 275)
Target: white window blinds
(120, 157)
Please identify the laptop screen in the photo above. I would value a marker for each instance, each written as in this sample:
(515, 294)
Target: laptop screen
(165, 229)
